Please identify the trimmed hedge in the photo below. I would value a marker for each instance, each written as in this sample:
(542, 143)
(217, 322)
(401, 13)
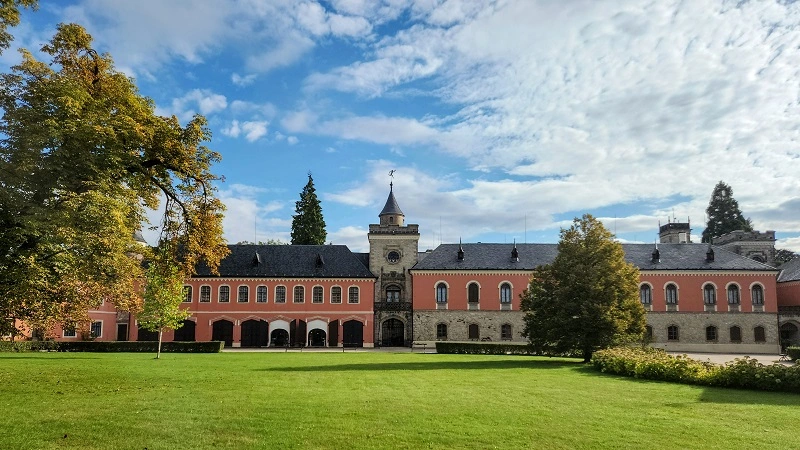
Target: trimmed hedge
(656, 364)
(114, 346)
(793, 353)
(28, 346)
(483, 348)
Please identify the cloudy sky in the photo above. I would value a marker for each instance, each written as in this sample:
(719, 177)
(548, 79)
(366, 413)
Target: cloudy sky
(502, 119)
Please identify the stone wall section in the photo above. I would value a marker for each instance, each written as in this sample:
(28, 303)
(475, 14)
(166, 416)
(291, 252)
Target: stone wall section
(458, 322)
(692, 331)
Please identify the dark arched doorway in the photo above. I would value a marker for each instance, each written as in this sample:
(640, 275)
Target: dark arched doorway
(316, 338)
(789, 335)
(279, 338)
(254, 333)
(393, 333)
(353, 334)
(222, 330)
(186, 332)
(143, 335)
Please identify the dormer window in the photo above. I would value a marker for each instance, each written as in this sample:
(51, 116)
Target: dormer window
(710, 254)
(656, 256)
(515, 254)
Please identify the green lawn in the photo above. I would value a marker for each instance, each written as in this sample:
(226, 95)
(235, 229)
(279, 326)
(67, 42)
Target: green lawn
(368, 400)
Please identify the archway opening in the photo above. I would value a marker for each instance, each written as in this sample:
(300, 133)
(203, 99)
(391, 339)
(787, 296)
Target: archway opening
(254, 333)
(393, 333)
(316, 338)
(353, 334)
(222, 330)
(186, 332)
(279, 338)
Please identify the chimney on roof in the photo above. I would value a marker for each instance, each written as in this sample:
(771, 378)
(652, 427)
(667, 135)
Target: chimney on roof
(460, 251)
(710, 254)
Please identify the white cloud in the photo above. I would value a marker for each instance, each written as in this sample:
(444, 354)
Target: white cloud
(252, 131)
(792, 244)
(243, 80)
(355, 238)
(198, 101)
(292, 140)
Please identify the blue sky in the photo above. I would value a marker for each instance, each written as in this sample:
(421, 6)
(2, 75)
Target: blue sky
(503, 119)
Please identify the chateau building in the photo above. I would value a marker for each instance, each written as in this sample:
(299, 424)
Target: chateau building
(698, 297)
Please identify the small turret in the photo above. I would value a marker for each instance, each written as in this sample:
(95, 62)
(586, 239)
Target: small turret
(391, 213)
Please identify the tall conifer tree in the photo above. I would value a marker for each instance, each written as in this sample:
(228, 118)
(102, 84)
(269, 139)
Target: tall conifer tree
(723, 214)
(308, 225)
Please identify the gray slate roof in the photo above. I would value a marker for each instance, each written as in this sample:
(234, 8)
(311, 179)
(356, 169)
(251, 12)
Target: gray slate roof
(391, 206)
(337, 261)
(790, 271)
(498, 257)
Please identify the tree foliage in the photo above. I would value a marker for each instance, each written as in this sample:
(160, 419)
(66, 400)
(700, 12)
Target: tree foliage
(163, 295)
(308, 225)
(723, 214)
(783, 255)
(82, 154)
(587, 298)
(9, 17)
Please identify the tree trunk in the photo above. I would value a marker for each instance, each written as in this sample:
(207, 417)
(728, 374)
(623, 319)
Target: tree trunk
(158, 353)
(587, 355)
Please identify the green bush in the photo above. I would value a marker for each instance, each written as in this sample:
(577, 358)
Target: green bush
(28, 346)
(656, 364)
(793, 353)
(483, 348)
(135, 346)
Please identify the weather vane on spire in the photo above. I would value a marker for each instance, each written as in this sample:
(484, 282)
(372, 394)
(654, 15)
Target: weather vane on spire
(391, 183)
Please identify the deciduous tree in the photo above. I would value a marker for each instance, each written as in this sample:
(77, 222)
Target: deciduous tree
(308, 225)
(163, 295)
(723, 214)
(586, 299)
(82, 154)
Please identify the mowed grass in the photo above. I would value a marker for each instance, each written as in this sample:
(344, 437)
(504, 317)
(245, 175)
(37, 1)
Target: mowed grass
(368, 400)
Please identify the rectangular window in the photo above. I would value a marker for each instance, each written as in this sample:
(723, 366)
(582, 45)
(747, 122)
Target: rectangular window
(224, 294)
(759, 335)
(672, 333)
(758, 295)
(336, 294)
(244, 294)
(316, 295)
(69, 331)
(205, 294)
(299, 294)
(187, 294)
(280, 294)
(261, 294)
(97, 329)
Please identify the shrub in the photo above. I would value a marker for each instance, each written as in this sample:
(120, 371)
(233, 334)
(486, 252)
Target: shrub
(656, 364)
(793, 353)
(28, 346)
(135, 346)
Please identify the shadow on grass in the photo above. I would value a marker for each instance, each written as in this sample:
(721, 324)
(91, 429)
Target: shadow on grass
(435, 365)
(47, 356)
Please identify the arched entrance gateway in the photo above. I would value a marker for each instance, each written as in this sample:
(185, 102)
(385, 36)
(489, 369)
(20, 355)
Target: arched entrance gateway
(790, 335)
(279, 338)
(222, 330)
(186, 332)
(316, 338)
(393, 333)
(255, 333)
(353, 334)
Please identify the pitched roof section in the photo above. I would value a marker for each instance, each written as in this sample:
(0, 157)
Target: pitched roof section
(790, 271)
(391, 206)
(498, 257)
(295, 261)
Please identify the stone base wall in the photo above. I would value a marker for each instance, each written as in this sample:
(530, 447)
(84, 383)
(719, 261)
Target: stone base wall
(458, 322)
(692, 332)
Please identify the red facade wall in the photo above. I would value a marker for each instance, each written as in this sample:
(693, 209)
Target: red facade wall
(424, 285)
(690, 289)
(789, 293)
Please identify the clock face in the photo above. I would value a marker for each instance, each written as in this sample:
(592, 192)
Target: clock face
(393, 256)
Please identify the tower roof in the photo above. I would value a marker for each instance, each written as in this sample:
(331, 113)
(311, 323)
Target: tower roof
(391, 206)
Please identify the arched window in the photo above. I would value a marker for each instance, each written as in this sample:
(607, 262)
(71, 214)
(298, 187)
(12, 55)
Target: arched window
(392, 294)
(187, 294)
(205, 294)
(648, 332)
(757, 293)
(441, 293)
(736, 334)
(711, 333)
(672, 294)
(224, 294)
(505, 293)
(709, 294)
(299, 294)
(441, 332)
(473, 293)
(352, 295)
(316, 294)
(645, 294)
(759, 335)
(505, 332)
(244, 294)
(280, 294)
(261, 294)
(474, 331)
(672, 333)
(336, 294)
(733, 294)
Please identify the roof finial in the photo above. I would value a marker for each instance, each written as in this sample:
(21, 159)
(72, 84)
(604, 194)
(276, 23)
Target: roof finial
(391, 183)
